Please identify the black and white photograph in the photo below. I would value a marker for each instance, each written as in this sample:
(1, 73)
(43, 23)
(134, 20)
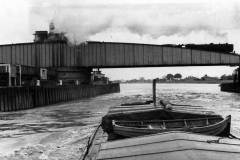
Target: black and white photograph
(119, 80)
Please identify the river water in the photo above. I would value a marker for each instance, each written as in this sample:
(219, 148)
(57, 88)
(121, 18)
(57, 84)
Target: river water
(60, 132)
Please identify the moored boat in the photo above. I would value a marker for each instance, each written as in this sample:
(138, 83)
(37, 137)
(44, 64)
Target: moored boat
(208, 126)
(150, 121)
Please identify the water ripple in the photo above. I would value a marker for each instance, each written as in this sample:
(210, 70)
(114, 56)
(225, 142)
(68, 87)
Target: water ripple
(61, 131)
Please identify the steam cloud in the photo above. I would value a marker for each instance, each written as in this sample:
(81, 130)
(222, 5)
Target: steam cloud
(150, 23)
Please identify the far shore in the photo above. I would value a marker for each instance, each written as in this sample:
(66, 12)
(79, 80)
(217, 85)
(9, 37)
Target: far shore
(184, 81)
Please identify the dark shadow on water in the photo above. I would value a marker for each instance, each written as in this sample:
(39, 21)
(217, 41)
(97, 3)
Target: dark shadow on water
(67, 115)
(10, 115)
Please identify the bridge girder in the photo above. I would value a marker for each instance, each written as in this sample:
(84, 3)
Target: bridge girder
(110, 55)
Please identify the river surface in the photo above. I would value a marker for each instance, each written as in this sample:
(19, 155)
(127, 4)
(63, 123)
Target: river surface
(60, 132)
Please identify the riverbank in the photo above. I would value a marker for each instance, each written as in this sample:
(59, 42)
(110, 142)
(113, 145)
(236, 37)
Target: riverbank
(185, 81)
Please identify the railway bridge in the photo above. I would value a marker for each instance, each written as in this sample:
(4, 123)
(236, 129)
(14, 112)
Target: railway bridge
(75, 62)
(106, 54)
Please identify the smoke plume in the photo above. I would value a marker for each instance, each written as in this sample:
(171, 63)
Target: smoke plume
(139, 22)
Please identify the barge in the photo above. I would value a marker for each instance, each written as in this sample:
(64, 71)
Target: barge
(174, 145)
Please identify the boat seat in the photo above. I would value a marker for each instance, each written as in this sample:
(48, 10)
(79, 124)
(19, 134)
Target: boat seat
(176, 124)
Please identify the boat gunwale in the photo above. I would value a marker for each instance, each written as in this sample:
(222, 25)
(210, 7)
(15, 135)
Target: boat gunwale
(173, 120)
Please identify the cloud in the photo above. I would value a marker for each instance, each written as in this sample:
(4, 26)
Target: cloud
(14, 21)
(91, 20)
(236, 15)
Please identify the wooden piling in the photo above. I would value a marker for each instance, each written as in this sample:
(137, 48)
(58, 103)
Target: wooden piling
(19, 98)
(154, 92)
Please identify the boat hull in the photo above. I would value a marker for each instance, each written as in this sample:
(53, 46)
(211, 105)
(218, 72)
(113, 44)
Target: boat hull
(221, 128)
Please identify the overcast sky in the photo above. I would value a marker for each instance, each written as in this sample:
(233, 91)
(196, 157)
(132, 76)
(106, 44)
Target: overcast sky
(141, 21)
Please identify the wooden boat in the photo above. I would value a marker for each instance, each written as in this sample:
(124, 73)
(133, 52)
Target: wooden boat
(149, 121)
(208, 126)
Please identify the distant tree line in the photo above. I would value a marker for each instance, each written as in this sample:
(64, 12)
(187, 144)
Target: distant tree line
(179, 77)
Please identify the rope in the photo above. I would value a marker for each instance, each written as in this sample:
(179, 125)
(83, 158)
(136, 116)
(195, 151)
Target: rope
(215, 141)
(218, 140)
(233, 136)
(89, 143)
